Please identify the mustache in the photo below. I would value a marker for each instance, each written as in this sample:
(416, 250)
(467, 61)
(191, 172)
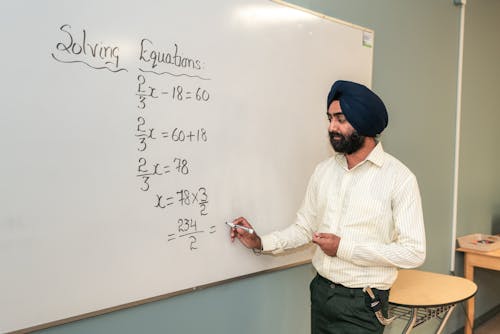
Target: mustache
(333, 134)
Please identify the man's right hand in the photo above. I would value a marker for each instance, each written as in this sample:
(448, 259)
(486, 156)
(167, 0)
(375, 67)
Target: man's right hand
(249, 240)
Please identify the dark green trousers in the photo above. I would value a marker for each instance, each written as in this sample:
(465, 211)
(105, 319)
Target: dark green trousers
(339, 310)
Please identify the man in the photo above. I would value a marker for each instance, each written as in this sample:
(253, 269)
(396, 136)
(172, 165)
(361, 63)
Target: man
(362, 208)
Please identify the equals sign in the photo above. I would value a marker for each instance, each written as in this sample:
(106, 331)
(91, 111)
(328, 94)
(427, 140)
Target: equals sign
(212, 229)
(188, 95)
(165, 134)
(171, 237)
(169, 201)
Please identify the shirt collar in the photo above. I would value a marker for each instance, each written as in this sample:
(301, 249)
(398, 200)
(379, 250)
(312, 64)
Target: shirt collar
(376, 156)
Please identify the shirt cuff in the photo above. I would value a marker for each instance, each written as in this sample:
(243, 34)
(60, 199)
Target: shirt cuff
(345, 250)
(269, 243)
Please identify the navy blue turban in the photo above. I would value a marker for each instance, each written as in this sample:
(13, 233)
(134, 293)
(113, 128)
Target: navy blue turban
(362, 108)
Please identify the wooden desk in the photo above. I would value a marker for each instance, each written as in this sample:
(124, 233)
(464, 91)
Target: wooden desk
(418, 296)
(474, 258)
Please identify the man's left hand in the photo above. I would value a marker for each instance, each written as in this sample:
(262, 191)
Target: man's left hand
(328, 242)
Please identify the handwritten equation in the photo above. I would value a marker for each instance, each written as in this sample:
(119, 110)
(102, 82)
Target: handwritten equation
(145, 134)
(179, 93)
(188, 228)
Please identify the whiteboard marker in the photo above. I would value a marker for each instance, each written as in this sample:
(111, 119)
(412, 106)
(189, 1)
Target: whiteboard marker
(249, 230)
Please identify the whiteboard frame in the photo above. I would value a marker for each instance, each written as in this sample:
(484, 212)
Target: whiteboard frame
(323, 16)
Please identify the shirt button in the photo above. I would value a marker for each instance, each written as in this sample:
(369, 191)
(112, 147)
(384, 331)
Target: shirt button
(332, 286)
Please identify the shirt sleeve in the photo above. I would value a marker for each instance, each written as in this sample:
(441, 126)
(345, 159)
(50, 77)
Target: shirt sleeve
(408, 247)
(300, 232)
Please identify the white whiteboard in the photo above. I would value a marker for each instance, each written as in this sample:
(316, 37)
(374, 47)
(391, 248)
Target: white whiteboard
(97, 149)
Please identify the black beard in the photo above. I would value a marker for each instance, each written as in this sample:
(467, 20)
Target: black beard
(347, 145)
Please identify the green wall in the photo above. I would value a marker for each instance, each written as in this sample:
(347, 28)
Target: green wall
(415, 71)
(479, 183)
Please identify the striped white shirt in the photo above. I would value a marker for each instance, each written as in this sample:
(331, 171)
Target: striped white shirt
(375, 208)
